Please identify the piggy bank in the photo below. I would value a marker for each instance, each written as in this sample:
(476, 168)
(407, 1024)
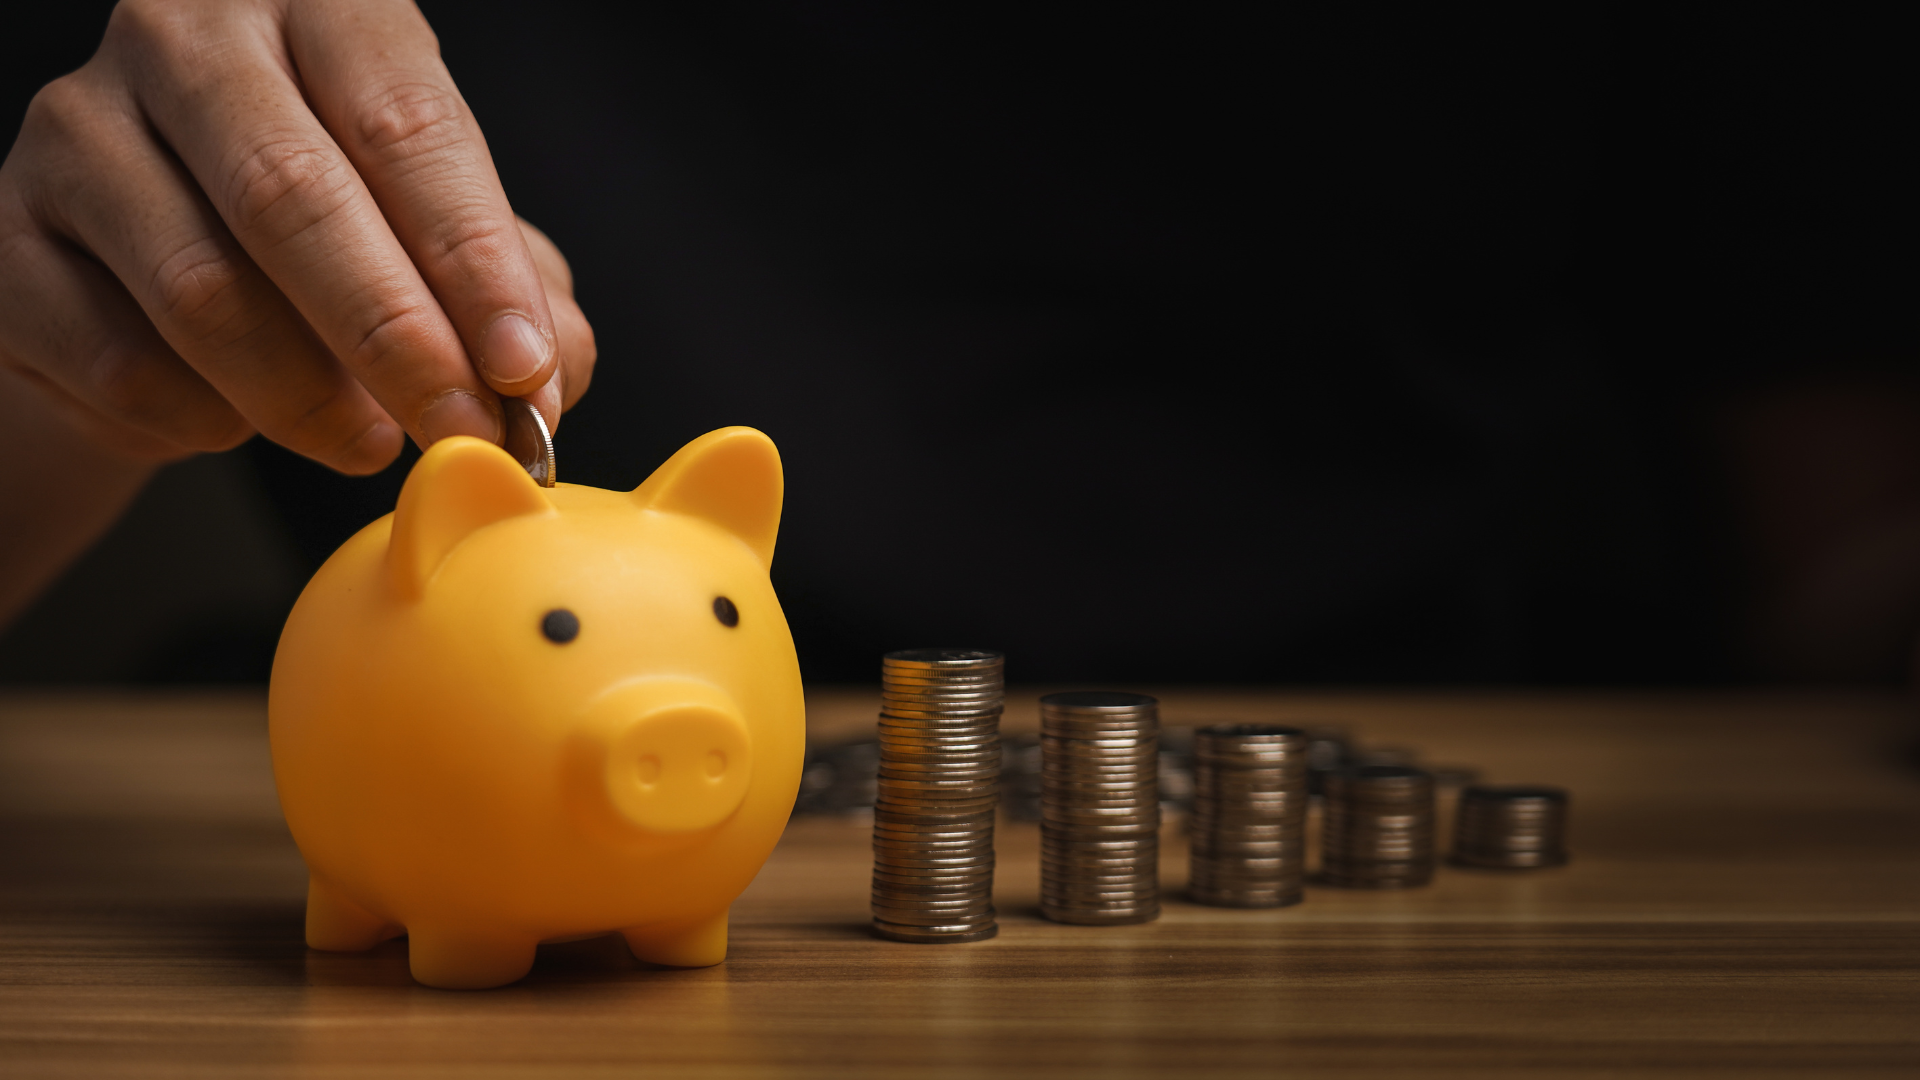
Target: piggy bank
(507, 714)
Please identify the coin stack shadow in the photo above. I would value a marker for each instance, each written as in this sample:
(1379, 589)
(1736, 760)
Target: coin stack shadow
(937, 790)
(1379, 828)
(1510, 828)
(1248, 825)
(1099, 808)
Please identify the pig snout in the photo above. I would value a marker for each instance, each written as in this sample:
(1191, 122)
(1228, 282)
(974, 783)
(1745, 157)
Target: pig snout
(676, 757)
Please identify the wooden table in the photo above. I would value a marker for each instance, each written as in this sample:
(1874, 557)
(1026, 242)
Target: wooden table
(1745, 898)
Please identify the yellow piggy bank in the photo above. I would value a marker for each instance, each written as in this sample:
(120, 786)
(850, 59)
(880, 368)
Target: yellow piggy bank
(507, 714)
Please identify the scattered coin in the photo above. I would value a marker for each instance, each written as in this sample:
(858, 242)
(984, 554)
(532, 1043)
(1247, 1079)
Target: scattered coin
(1510, 828)
(936, 786)
(1099, 808)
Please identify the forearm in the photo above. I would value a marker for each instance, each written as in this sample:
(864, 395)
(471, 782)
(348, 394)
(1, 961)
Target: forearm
(58, 492)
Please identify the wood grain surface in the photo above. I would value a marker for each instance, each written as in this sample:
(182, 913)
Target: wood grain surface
(1744, 900)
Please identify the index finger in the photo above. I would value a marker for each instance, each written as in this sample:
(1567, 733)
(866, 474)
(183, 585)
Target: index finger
(372, 70)
(237, 119)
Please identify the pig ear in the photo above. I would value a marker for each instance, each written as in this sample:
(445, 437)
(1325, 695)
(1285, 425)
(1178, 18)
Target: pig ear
(461, 484)
(730, 477)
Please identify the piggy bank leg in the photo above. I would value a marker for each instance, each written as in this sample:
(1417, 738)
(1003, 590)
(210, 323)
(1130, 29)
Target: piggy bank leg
(691, 943)
(337, 924)
(455, 958)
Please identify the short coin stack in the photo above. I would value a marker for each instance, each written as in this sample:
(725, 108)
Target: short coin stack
(1379, 832)
(938, 786)
(1249, 820)
(1099, 808)
(1511, 828)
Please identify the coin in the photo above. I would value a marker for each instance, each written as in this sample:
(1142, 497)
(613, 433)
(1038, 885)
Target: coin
(1099, 807)
(1100, 914)
(1379, 827)
(937, 785)
(964, 932)
(529, 441)
(1247, 828)
(1510, 828)
(937, 659)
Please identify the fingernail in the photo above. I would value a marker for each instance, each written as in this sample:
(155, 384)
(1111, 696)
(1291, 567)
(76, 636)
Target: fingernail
(512, 350)
(458, 412)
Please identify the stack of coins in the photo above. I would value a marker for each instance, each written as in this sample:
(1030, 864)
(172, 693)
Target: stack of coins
(1249, 820)
(1379, 828)
(1099, 808)
(938, 784)
(1511, 828)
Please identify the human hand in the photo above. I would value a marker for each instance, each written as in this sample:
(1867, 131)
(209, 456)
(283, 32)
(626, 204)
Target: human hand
(274, 215)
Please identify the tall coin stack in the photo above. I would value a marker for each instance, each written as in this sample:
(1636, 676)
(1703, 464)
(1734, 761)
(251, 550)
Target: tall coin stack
(1099, 808)
(1249, 820)
(938, 785)
(1379, 828)
(1511, 828)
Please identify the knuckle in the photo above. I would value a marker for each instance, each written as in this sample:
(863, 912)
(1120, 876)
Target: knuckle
(284, 185)
(129, 383)
(123, 383)
(393, 330)
(158, 33)
(412, 118)
(61, 110)
(198, 290)
(473, 243)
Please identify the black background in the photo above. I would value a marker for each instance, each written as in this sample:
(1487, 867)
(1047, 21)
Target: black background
(1168, 346)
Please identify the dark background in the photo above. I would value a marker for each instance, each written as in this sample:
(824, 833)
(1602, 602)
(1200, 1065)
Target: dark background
(1572, 346)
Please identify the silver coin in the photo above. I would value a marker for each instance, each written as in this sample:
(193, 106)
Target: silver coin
(1116, 733)
(907, 916)
(932, 887)
(906, 765)
(951, 934)
(1079, 896)
(934, 875)
(934, 746)
(945, 771)
(896, 715)
(1097, 701)
(934, 810)
(1129, 874)
(943, 694)
(1114, 845)
(1104, 917)
(1120, 870)
(972, 849)
(1054, 758)
(891, 678)
(529, 441)
(952, 908)
(914, 849)
(918, 729)
(974, 761)
(1245, 899)
(942, 658)
(884, 817)
(931, 830)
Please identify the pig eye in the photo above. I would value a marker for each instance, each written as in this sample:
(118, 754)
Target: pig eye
(560, 626)
(724, 610)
